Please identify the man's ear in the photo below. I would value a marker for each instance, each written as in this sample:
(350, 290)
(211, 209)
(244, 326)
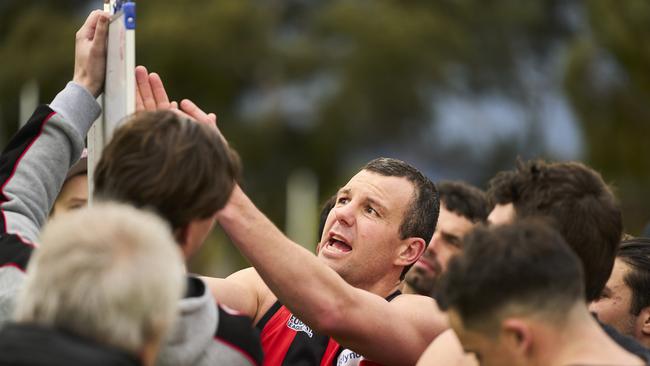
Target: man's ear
(149, 350)
(410, 251)
(644, 319)
(517, 335)
(181, 235)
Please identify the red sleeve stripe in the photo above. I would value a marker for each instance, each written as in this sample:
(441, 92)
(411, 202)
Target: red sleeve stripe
(14, 265)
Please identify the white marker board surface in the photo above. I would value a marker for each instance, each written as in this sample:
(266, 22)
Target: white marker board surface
(119, 89)
(118, 100)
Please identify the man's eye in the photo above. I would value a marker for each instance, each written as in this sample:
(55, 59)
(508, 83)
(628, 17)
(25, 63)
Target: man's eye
(372, 211)
(452, 240)
(342, 200)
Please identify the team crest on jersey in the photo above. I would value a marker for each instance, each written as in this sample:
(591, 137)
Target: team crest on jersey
(297, 325)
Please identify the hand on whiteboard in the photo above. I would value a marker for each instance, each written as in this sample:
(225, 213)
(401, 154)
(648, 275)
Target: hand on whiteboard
(90, 52)
(151, 95)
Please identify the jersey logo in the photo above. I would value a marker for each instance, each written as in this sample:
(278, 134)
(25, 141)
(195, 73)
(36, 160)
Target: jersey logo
(297, 325)
(349, 358)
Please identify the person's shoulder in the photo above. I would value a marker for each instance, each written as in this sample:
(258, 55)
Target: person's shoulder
(416, 302)
(628, 343)
(423, 311)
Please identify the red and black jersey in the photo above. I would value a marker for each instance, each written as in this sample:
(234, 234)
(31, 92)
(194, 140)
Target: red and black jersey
(288, 341)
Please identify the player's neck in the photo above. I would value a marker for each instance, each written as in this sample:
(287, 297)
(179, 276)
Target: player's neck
(407, 289)
(583, 342)
(382, 284)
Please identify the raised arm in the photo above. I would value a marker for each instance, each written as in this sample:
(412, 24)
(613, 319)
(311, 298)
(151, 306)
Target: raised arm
(34, 164)
(36, 160)
(243, 291)
(393, 333)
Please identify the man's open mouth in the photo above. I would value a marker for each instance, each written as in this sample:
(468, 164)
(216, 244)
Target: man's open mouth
(338, 244)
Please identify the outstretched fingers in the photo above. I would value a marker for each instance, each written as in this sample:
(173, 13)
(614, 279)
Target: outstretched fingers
(195, 112)
(147, 101)
(158, 90)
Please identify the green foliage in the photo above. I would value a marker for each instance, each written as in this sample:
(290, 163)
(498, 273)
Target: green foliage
(609, 85)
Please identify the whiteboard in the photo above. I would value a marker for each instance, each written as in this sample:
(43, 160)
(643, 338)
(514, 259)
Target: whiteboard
(119, 89)
(118, 100)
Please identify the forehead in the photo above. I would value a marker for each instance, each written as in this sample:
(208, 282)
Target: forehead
(620, 270)
(75, 187)
(391, 192)
(502, 214)
(453, 223)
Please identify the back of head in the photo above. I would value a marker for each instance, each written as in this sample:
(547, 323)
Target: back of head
(421, 216)
(578, 203)
(529, 270)
(635, 253)
(109, 273)
(179, 168)
(464, 200)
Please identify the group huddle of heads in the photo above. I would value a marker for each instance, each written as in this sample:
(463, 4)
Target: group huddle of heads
(88, 278)
(540, 242)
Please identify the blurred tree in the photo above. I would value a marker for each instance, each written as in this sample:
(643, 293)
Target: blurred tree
(325, 84)
(29, 49)
(609, 85)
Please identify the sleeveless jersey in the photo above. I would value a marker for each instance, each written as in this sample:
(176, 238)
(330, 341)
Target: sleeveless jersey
(288, 341)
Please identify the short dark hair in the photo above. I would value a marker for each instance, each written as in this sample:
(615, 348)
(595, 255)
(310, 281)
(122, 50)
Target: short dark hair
(181, 169)
(464, 199)
(636, 254)
(422, 215)
(579, 204)
(528, 265)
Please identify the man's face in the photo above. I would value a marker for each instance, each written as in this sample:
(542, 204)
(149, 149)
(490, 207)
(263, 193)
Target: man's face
(502, 214)
(488, 350)
(194, 235)
(73, 195)
(445, 243)
(614, 306)
(361, 236)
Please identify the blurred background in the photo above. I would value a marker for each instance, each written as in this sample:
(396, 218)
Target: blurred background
(308, 91)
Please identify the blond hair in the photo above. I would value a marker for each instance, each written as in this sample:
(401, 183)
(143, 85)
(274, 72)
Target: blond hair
(110, 273)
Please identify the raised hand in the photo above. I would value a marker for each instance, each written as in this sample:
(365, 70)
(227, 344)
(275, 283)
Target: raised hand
(150, 91)
(151, 95)
(90, 52)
